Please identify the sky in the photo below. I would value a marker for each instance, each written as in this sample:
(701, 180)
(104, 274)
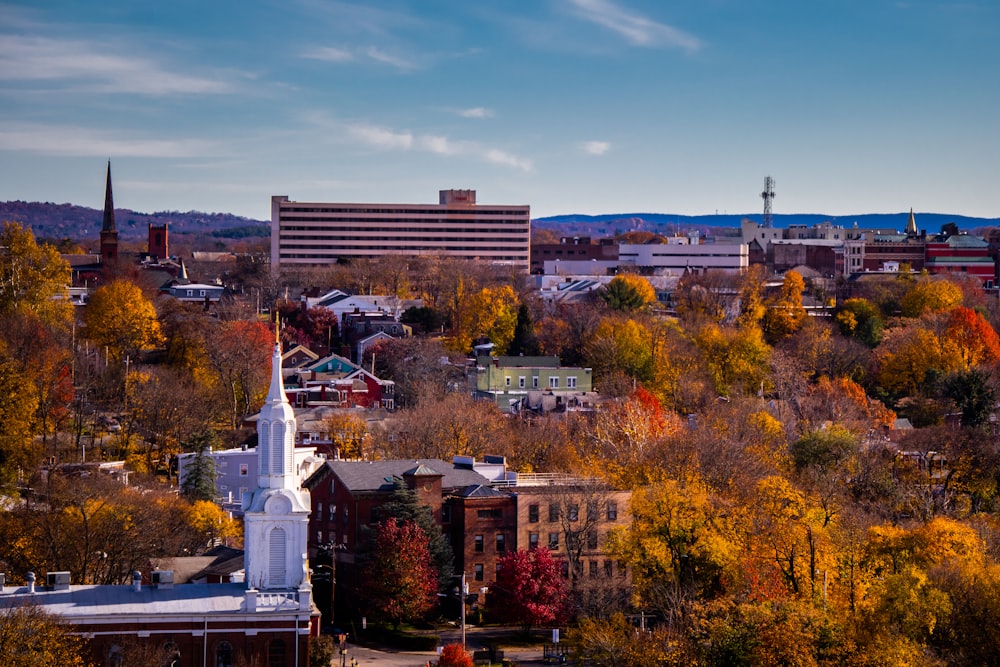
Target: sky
(570, 106)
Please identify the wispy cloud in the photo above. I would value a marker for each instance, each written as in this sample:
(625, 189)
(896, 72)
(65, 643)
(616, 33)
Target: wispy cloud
(636, 29)
(68, 140)
(328, 54)
(380, 56)
(384, 138)
(334, 54)
(90, 65)
(475, 112)
(595, 147)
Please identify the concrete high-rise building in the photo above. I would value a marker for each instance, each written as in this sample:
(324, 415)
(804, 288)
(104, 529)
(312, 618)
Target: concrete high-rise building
(305, 233)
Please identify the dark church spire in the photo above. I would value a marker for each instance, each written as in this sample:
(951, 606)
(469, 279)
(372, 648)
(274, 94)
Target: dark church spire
(109, 235)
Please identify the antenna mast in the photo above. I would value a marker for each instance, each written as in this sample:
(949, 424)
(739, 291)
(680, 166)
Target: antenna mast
(768, 195)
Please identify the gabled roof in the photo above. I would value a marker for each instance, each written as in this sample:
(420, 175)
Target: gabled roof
(358, 476)
(422, 471)
(481, 491)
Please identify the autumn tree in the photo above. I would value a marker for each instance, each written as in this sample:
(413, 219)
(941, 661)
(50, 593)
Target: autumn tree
(861, 319)
(443, 427)
(737, 359)
(120, 318)
(529, 590)
(930, 295)
(907, 357)
(348, 434)
(972, 335)
(30, 636)
(402, 583)
(33, 278)
(405, 507)
(614, 642)
(240, 358)
(627, 292)
(492, 312)
(454, 655)
(677, 547)
(785, 313)
(421, 368)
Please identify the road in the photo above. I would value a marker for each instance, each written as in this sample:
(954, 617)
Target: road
(476, 638)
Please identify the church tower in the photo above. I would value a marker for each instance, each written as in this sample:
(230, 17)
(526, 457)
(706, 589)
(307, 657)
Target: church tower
(109, 234)
(276, 515)
(911, 226)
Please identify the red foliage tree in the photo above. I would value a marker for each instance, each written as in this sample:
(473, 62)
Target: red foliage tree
(401, 577)
(976, 340)
(529, 589)
(453, 655)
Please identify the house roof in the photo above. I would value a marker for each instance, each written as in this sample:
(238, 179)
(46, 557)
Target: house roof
(481, 491)
(377, 475)
(108, 601)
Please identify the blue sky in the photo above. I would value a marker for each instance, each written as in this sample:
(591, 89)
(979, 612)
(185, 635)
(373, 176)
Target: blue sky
(571, 106)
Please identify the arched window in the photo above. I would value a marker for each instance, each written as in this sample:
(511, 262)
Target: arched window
(276, 654)
(171, 655)
(224, 654)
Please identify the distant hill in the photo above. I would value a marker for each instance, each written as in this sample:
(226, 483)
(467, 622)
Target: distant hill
(59, 221)
(610, 224)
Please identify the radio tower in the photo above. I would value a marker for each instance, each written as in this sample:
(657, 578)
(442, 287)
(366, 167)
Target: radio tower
(768, 195)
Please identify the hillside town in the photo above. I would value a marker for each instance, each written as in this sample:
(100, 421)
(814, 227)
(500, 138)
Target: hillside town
(388, 422)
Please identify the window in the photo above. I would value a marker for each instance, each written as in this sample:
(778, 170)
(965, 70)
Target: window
(553, 382)
(501, 543)
(495, 513)
(345, 515)
(593, 568)
(479, 572)
(479, 543)
(532, 513)
(553, 512)
(224, 655)
(244, 469)
(574, 512)
(532, 541)
(319, 537)
(612, 510)
(445, 514)
(506, 381)
(565, 568)
(534, 382)
(621, 568)
(608, 568)
(520, 382)
(592, 510)
(571, 382)
(554, 541)
(276, 654)
(190, 292)
(591, 539)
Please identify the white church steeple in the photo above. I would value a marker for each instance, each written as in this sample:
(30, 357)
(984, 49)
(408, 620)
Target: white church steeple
(276, 515)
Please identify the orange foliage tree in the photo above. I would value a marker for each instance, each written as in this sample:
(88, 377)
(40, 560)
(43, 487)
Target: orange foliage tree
(975, 339)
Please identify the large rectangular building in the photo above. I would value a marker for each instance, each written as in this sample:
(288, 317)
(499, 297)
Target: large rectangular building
(309, 233)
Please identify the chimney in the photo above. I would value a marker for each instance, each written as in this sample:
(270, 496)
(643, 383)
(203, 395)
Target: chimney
(251, 599)
(3, 581)
(137, 581)
(30, 579)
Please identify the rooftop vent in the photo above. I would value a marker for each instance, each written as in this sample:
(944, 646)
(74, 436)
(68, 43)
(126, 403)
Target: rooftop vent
(163, 579)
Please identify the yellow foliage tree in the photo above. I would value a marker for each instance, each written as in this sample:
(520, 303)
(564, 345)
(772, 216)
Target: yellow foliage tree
(930, 295)
(785, 313)
(907, 354)
(33, 277)
(211, 521)
(348, 434)
(492, 312)
(737, 358)
(121, 318)
(628, 292)
(620, 344)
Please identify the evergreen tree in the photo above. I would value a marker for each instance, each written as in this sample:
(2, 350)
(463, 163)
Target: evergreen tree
(524, 342)
(404, 506)
(199, 480)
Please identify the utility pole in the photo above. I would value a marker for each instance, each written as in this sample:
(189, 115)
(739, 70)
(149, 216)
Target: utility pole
(464, 591)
